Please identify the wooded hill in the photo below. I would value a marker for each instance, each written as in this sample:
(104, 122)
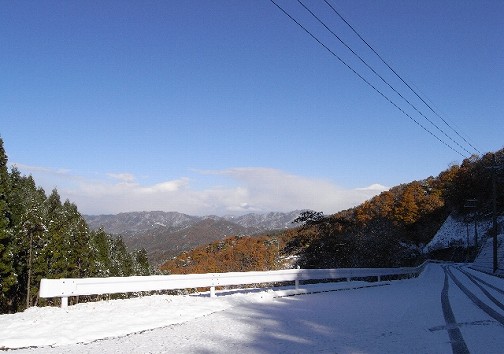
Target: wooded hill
(41, 237)
(166, 234)
(388, 230)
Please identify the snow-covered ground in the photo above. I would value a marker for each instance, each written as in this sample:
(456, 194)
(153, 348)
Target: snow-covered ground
(485, 259)
(405, 316)
(455, 230)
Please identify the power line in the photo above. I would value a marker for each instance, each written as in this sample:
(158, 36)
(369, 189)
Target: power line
(396, 74)
(366, 81)
(381, 77)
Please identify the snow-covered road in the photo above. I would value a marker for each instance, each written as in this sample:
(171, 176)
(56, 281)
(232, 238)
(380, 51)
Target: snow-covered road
(404, 316)
(472, 297)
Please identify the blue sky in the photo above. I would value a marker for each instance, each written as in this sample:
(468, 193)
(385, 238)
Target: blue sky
(216, 107)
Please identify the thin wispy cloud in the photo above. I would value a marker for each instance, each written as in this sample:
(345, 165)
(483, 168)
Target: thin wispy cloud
(240, 190)
(123, 177)
(42, 170)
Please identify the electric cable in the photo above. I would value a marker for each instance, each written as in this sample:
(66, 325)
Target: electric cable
(381, 77)
(366, 81)
(400, 78)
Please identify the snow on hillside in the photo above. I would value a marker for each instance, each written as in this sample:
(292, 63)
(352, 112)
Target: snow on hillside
(484, 260)
(404, 316)
(454, 231)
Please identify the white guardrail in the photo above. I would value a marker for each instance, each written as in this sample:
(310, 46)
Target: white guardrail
(66, 287)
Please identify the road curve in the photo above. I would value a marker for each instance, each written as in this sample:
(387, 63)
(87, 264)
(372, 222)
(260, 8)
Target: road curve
(478, 297)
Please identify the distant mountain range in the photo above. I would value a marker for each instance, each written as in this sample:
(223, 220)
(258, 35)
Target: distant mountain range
(166, 234)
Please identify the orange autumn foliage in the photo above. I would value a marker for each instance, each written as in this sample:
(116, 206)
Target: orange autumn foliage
(233, 254)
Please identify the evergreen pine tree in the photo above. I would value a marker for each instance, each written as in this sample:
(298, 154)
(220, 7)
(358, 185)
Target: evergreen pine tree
(141, 262)
(8, 278)
(122, 261)
(100, 248)
(40, 237)
(26, 202)
(53, 254)
(79, 253)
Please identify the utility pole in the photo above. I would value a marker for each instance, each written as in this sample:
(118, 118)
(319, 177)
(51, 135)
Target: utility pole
(475, 231)
(495, 226)
(494, 213)
(472, 204)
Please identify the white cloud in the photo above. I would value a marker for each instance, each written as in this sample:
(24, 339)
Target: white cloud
(240, 190)
(43, 170)
(374, 187)
(123, 177)
(168, 186)
(272, 189)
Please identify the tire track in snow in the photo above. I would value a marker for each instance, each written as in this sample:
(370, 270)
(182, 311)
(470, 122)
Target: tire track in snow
(477, 301)
(457, 341)
(481, 281)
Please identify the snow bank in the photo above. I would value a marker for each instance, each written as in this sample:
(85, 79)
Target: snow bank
(87, 322)
(454, 231)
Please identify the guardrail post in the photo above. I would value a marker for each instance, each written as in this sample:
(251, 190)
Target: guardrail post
(379, 278)
(64, 302)
(296, 284)
(212, 291)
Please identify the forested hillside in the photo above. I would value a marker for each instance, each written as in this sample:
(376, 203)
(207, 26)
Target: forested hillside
(166, 234)
(387, 230)
(233, 254)
(42, 237)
